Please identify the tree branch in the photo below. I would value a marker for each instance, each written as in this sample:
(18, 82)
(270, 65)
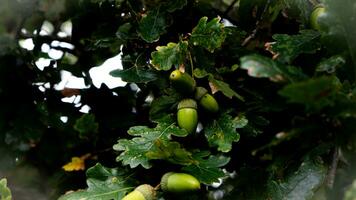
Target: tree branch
(258, 22)
(332, 169)
(228, 9)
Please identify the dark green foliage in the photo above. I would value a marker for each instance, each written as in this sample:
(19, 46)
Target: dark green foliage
(285, 127)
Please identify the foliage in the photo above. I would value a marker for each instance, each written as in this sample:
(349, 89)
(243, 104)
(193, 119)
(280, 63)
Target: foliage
(5, 192)
(351, 192)
(103, 183)
(302, 184)
(286, 94)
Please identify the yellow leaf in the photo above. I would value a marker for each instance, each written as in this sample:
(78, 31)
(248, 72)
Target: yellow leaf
(76, 164)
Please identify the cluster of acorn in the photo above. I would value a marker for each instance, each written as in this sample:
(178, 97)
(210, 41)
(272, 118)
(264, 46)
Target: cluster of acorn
(187, 115)
(170, 182)
(187, 118)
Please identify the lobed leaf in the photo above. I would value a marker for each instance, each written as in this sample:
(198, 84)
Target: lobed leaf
(152, 25)
(86, 124)
(135, 75)
(288, 47)
(224, 88)
(222, 133)
(165, 57)
(330, 65)
(207, 170)
(313, 93)
(263, 67)
(209, 35)
(103, 184)
(300, 185)
(149, 141)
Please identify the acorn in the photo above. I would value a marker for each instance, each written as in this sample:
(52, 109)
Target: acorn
(179, 183)
(206, 100)
(187, 115)
(142, 192)
(317, 13)
(182, 82)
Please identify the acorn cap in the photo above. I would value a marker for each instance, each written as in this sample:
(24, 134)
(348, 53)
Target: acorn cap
(200, 92)
(187, 103)
(164, 181)
(147, 191)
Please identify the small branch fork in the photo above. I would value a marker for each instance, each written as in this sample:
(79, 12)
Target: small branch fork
(258, 22)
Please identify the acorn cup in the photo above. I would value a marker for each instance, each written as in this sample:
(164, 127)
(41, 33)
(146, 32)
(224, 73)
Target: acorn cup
(179, 183)
(182, 82)
(142, 192)
(187, 115)
(206, 100)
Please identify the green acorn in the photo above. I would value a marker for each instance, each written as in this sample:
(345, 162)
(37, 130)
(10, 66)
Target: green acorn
(142, 192)
(315, 16)
(182, 82)
(206, 100)
(187, 115)
(179, 183)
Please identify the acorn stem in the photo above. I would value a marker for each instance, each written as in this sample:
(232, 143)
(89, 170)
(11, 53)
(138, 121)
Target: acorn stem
(191, 64)
(157, 186)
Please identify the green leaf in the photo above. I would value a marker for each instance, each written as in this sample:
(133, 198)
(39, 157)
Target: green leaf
(227, 70)
(103, 184)
(300, 185)
(152, 25)
(340, 20)
(263, 67)
(224, 88)
(304, 9)
(86, 125)
(162, 105)
(207, 170)
(5, 193)
(314, 93)
(288, 47)
(200, 73)
(124, 32)
(171, 55)
(170, 151)
(7, 44)
(135, 75)
(174, 5)
(221, 132)
(209, 35)
(350, 193)
(331, 64)
(138, 150)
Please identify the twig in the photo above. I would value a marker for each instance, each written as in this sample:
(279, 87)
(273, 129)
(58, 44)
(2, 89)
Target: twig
(332, 170)
(314, 2)
(191, 63)
(228, 9)
(254, 32)
(157, 187)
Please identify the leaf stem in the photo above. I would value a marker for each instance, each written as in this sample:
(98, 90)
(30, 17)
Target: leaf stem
(157, 187)
(191, 64)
